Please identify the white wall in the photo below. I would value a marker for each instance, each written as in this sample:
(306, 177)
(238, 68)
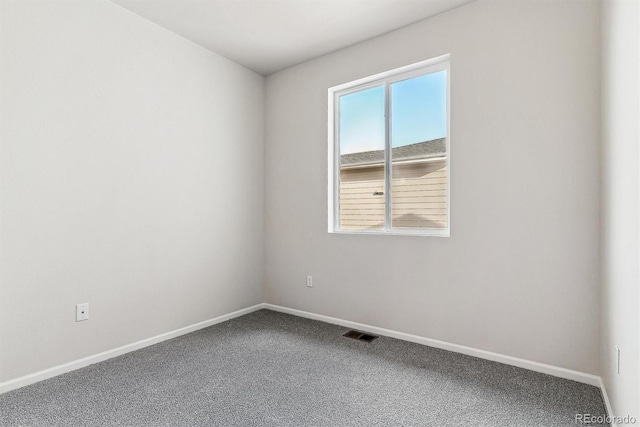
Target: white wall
(620, 202)
(131, 178)
(519, 275)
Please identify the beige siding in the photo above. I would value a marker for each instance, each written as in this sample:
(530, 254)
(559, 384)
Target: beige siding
(419, 196)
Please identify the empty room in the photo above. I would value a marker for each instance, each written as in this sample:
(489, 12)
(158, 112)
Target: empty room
(320, 213)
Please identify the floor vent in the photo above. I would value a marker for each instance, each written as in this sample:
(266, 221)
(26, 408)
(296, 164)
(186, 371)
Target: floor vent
(360, 336)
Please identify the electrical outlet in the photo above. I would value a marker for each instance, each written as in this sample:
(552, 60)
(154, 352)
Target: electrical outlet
(617, 359)
(310, 281)
(82, 312)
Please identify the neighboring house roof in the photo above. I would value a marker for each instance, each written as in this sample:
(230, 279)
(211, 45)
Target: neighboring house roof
(420, 150)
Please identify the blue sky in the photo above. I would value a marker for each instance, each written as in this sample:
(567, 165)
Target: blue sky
(418, 108)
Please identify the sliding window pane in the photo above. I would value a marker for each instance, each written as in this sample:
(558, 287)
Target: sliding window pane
(419, 152)
(362, 141)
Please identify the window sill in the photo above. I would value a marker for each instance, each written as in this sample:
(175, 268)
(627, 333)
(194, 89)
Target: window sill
(419, 233)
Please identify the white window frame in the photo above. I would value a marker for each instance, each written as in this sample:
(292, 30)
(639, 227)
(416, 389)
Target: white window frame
(386, 78)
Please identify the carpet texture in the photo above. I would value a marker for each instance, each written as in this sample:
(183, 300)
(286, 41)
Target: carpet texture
(273, 369)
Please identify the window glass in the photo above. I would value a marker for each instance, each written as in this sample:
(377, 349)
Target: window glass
(418, 155)
(362, 141)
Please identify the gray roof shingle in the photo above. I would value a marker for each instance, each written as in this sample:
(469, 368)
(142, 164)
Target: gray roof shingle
(420, 150)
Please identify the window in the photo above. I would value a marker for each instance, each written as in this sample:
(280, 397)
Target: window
(389, 159)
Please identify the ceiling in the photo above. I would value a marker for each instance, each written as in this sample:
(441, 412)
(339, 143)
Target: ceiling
(267, 36)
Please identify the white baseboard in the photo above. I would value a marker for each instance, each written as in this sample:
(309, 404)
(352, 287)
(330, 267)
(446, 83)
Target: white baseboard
(607, 403)
(470, 351)
(90, 360)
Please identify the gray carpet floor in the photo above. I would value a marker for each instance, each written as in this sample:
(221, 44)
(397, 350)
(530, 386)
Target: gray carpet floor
(273, 369)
